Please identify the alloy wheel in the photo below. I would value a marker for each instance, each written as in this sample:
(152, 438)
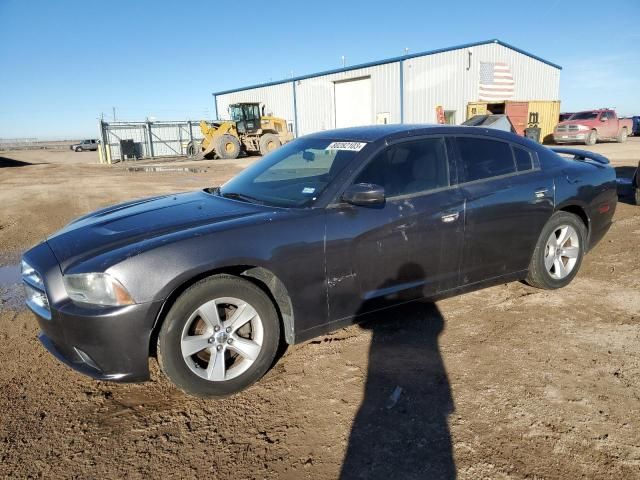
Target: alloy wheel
(561, 251)
(222, 339)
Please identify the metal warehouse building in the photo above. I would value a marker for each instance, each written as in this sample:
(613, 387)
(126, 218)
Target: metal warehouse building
(427, 87)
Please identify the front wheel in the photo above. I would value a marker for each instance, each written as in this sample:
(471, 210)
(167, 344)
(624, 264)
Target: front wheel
(227, 147)
(268, 143)
(591, 138)
(220, 336)
(558, 253)
(78, 149)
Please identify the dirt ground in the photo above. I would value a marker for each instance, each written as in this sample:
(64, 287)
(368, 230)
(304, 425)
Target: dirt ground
(507, 383)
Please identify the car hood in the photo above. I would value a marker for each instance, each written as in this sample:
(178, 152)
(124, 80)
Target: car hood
(141, 220)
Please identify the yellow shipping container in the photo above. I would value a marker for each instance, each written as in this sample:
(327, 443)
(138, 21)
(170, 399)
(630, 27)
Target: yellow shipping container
(543, 114)
(546, 113)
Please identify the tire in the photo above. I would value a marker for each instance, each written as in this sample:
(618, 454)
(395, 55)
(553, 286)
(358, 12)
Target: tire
(260, 336)
(268, 143)
(544, 272)
(227, 147)
(622, 136)
(636, 195)
(193, 149)
(591, 138)
(78, 149)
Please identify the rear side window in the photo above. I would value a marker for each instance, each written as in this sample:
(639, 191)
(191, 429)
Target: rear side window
(523, 159)
(484, 158)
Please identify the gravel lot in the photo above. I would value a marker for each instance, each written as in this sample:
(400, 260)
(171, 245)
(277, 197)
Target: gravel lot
(508, 382)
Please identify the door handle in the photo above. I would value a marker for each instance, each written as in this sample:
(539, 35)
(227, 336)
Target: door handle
(541, 193)
(450, 217)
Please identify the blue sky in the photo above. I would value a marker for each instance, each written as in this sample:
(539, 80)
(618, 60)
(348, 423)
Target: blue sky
(65, 62)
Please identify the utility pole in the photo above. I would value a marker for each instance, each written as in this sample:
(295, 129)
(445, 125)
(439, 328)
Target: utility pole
(114, 113)
(344, 61)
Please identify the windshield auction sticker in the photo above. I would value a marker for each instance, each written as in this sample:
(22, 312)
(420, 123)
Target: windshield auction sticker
(351, 146)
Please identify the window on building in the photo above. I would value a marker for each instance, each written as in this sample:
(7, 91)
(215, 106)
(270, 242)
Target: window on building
(409, 167)
(483, 158)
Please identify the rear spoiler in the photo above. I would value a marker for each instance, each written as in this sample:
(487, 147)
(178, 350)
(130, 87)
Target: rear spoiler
(581, 155)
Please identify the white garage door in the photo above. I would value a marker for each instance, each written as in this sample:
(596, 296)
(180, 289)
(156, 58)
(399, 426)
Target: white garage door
(353, 103)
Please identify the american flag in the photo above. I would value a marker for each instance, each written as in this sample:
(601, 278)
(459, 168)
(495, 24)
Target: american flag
(496, 81)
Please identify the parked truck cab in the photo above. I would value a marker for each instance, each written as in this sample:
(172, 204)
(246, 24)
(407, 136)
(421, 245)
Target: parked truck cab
(590, 126)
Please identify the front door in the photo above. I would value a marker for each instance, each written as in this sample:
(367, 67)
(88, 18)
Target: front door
(409, 247)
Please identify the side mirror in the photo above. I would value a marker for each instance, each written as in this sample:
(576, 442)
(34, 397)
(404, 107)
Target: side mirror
(364, 194)
(602, 119)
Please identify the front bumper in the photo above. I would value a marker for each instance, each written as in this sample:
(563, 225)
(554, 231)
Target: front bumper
(569, 137)
(106, 343)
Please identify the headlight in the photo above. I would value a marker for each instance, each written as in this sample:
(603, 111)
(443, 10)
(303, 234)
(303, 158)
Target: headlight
(31, 276)
(583, 127)
(96, 288)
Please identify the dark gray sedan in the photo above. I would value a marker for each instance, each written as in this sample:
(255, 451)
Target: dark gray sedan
(315, 236)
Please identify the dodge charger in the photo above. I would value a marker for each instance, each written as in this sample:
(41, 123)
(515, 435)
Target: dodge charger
(314, 236)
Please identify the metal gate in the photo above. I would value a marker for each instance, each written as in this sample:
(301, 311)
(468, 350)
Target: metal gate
(149, 139)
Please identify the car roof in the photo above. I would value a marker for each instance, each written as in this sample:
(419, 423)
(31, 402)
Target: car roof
(373, 133)
(370, 133)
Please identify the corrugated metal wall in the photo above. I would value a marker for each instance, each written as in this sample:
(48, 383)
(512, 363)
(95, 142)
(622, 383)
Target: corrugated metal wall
(278, 99)
(316, 102)
(449, 78)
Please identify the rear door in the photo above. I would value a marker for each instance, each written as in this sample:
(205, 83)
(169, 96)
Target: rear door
(405, 249)
(508, 201)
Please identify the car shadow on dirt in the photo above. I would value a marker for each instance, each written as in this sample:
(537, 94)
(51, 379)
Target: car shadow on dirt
(401, 429)
(10, 162)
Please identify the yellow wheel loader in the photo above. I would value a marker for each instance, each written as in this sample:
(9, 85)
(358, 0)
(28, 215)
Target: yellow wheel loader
(249, 131)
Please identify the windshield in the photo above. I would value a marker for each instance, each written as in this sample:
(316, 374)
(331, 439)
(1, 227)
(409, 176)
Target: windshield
(294, 175)
(236, 113)
(584, 116)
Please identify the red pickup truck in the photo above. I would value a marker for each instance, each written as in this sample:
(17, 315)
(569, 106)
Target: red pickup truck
(590, 126)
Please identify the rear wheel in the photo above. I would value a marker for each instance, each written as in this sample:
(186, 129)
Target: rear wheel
(622, 136)
(591, 138)
(558, 253)
(220, 336)
(268, 143)
(227, 146)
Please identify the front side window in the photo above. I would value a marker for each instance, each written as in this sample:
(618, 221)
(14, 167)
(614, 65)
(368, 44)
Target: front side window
(294, 175)
(485, 158)
(410, 167)
(251, 112)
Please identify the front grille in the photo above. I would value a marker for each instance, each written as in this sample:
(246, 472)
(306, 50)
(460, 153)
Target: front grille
(567, 128)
